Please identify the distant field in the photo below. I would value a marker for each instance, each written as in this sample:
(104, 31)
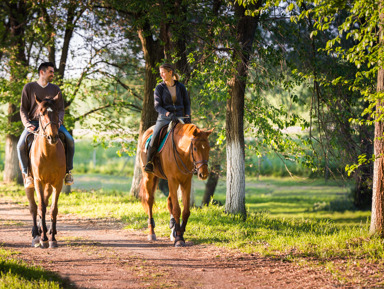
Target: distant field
(279, 197)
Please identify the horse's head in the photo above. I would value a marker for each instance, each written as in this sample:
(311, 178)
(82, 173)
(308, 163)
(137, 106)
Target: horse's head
(200, 152)
(48, 118)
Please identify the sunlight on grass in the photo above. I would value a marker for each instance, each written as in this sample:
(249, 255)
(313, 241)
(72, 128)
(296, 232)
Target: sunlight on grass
(285, 218)
(16, 274)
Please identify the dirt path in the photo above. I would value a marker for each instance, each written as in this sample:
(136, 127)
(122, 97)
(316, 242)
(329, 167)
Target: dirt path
(101, 255)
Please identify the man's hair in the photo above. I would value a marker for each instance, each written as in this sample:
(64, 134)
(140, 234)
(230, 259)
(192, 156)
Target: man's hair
(44, 66)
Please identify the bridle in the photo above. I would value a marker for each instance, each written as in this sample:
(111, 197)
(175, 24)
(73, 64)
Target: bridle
(45, 126)
(196, 164)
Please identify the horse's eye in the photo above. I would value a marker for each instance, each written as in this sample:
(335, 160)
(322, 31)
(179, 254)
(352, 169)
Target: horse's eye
(195, 149)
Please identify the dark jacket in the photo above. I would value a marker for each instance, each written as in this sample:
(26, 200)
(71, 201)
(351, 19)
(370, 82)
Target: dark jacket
(163, 100)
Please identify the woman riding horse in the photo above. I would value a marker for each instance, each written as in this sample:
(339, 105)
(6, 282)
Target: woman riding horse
(185, 152)
(171, 101)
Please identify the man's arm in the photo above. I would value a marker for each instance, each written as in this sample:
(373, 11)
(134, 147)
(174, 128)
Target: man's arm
(60, 108)
(25, 107)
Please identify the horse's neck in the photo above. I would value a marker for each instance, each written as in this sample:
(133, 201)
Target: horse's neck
(183, 141)
(44, 146)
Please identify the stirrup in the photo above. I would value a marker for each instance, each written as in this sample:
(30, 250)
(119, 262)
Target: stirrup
(68, 179)
(28, 182)
(149, 167)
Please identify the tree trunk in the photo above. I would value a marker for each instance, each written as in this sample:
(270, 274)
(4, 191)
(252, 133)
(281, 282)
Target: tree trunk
(377, 217)
(153, 54)
(210, 187)
(163, 187)
(11, 166)
(235, 196)
(18, 19)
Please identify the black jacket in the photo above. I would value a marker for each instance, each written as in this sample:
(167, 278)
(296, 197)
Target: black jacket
(163, 100)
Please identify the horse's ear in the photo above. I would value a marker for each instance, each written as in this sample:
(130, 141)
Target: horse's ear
(56, 98)
(37, 100)
(208, 132)
(196, 132)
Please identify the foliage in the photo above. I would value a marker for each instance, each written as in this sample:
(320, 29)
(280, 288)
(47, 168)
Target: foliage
(94, 158)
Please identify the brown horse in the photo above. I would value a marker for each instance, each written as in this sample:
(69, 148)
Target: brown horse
(48, 170)
(186, 151)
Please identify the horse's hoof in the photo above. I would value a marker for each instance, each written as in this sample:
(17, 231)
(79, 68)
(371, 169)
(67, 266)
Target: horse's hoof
(44, 244)
(151, 237)
(180, 243)
(36, 242)
(172, 237)
(53, 244)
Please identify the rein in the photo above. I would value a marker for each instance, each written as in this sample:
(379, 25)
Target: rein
(176, 154)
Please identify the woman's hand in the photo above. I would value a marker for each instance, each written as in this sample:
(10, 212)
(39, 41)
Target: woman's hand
(168, 113)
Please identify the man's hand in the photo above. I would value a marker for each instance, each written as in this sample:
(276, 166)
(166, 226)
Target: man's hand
(187, 119)
(31, 128)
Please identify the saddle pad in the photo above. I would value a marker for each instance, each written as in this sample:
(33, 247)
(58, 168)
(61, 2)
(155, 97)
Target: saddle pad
(161, 144)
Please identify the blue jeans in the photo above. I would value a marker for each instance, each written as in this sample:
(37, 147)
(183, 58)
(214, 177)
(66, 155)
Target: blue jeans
(23, 154)
(161, 121)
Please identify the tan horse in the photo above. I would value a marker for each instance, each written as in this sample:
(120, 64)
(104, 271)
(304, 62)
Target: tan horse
(185, 152)
(48, 168)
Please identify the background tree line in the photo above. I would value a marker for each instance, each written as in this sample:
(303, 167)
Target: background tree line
(230, 54)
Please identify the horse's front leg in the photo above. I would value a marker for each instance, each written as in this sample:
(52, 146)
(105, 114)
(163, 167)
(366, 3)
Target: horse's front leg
(186, 195)
(176, 212)
(33, 210)
(172, 220)
(42, 209)
(54, 212)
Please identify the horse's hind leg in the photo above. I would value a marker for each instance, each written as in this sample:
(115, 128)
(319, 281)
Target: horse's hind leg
(54, 212)
(33, 210)
(149, 185)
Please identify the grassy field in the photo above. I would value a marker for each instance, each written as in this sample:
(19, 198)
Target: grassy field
(290, 219)
(15, 274)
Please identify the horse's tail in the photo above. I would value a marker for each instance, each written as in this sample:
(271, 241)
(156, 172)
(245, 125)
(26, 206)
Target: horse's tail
(143, 195)
(147, 192)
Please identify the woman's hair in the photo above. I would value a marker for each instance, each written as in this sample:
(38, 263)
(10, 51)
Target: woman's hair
(170, 67)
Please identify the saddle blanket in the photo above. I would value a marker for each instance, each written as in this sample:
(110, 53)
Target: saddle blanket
(161, 144)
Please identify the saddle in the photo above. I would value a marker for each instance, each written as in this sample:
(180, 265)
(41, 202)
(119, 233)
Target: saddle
(31, 137)
(162, 139)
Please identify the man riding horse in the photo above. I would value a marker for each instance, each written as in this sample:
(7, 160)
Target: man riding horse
(43, 89)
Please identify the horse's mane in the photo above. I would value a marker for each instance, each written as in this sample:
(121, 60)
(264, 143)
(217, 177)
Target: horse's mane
(46, 103)
(189, 129)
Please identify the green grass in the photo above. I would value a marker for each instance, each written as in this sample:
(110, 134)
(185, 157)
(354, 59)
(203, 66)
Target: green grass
(284, 217)
(16, 274)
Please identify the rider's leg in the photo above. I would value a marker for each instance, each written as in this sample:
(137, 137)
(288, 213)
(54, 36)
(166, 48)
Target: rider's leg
(153, 145)
(69, 155)
(22, 154)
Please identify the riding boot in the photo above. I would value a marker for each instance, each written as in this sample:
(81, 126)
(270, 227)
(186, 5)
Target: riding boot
(151, 153)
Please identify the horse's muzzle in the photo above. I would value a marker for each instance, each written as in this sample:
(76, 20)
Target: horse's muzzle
(203, 174)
